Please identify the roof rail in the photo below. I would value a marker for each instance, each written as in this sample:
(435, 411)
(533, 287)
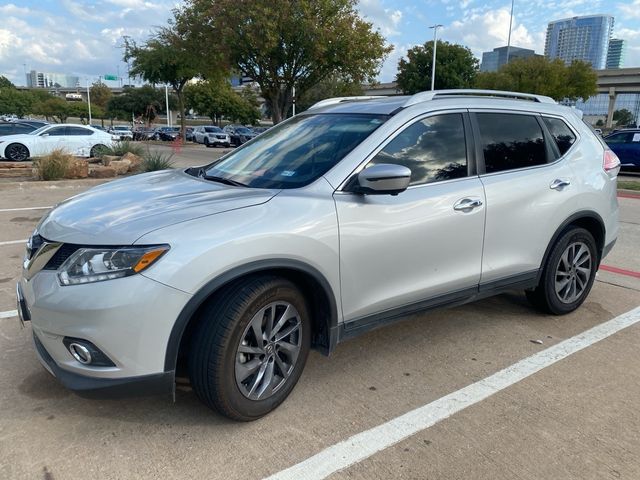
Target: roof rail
(333, 101)
(434, 94)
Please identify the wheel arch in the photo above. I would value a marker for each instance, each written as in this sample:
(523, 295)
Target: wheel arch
(17, 143)
(590, 221)
(314, 285)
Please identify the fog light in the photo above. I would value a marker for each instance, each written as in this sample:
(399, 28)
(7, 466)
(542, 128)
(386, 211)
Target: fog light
(80, 353)
(86, 352)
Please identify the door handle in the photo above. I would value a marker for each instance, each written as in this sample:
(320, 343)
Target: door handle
(559, 184)
(467, 204)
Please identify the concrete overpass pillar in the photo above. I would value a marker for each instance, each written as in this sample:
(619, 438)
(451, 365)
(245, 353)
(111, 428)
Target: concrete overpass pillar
(612, 104)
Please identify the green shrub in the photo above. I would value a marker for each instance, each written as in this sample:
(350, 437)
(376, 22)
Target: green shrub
(154, 161)
(122, 147)
(53, 166)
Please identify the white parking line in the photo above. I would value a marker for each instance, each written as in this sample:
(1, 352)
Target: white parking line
(9, 314)
(2, 210)
(13, 242)
(362, 445)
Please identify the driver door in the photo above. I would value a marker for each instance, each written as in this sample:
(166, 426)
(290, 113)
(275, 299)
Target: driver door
(421, 247)
(49, 140)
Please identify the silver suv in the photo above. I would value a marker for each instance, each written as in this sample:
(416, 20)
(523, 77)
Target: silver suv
(342, 219)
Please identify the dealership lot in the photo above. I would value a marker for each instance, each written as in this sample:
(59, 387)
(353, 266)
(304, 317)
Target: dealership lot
(577, 418)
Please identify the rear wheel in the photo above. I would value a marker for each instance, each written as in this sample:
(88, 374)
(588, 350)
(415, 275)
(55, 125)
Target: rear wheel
(16, 152)
(97, 150)
(568, 274)
(250, 347)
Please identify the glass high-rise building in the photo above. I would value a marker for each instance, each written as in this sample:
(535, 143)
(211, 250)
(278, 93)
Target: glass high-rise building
(615, 54)
(492, 61)
(580, 38)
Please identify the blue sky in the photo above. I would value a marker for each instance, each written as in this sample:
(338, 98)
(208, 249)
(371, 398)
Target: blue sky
(83, 37)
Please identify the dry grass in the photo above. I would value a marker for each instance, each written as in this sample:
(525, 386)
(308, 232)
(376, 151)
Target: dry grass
(53, 166)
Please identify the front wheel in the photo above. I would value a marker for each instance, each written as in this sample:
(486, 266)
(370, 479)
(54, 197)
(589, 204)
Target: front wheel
(250, 347)
(206, 142)
(568, 274)
(16, 152)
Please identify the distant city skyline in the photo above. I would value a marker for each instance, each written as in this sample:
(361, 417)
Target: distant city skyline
(84, 39)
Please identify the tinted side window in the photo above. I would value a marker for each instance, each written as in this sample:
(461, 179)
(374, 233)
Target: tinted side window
(6, 129)
(511, 141)
(56, 132)
(76, 131)
(21, 129)
(619, 138)
(561, 133)
(434, 149)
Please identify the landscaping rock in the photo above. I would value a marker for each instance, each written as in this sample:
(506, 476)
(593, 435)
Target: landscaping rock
(94, 160)
(100, 171)
(135, 160)
(121, 166)
(107, 159)
(78, 168)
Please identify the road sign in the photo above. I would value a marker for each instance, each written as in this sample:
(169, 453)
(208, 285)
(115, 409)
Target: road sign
(111, 77)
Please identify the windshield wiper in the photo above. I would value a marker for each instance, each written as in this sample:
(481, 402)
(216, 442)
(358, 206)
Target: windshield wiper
(226, 181)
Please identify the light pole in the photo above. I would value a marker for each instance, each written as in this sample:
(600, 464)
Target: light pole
(166, 98)
(433, 63)
(294, 100)
(509, 38)
(89, 100)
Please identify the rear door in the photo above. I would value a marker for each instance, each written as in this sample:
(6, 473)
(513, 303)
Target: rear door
(622, 144)
(79, 140)
(527, 183)
(424, 244)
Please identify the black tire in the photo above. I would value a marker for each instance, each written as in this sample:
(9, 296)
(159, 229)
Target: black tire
(206, 142)
(95, 150)
(227, 145)
(545, 297)
(16, 152)
(222, 325)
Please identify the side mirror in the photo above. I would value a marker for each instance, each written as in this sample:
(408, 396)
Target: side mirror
(383, 179)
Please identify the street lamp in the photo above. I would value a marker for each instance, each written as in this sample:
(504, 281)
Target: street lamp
(433, 63)
(89, 100)
(509, 39)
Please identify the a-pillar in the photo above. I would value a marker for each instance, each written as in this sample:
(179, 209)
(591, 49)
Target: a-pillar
(612, 105)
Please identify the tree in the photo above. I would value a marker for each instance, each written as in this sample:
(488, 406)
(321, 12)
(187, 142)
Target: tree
(544, 77)
(623, 117)
(169, 57)
(100, 96)
(286, 43)
(216, 99)
(144, 102)
(456, 67)
(600, 123)
(13, 101)
(332, 86)
(55, 108)
(5, 83)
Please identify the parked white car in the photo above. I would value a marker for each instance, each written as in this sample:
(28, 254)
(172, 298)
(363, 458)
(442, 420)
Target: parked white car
(77, 140)
(122, 132)
(211, 136)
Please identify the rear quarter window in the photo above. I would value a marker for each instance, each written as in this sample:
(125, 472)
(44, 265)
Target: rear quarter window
(561, 133)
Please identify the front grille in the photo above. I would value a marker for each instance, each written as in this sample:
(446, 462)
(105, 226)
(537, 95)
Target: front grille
(64, 252)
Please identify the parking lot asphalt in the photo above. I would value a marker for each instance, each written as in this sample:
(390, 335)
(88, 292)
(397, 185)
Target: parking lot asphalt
(575, 418)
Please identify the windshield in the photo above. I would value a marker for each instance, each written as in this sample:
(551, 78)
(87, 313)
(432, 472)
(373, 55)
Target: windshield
(212, 129)
(296, 152)
(39, 130)
(121, 128)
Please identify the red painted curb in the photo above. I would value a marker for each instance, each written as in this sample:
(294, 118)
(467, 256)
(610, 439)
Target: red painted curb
(620, 271)
(629, 195)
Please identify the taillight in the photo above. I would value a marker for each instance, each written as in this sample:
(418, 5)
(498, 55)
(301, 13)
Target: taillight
(611, 163)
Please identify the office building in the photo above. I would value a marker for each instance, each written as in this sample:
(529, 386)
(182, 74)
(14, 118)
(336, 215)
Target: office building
(580, 38)
(492, 61)
(616, 52)
(51, 80)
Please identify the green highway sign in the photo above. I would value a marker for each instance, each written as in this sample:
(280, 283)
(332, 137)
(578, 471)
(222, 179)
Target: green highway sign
(110, 77)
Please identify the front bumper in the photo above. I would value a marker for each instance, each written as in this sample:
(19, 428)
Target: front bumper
(128, 319)
(157, 384)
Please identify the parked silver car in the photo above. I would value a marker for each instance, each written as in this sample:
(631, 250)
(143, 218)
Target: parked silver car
(345, 218)
(211, 136)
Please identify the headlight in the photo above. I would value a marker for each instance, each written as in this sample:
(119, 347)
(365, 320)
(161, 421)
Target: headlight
(88, 265)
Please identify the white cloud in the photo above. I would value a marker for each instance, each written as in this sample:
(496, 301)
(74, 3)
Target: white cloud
(387, 20)
(630, 10)
(11, 9)
(485, 31)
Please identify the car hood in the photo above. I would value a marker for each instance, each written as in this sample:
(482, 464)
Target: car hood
(120, 212)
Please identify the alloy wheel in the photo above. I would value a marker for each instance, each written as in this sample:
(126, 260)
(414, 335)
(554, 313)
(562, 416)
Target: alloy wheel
(17, 152)
(268, 350)
(573, 272)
